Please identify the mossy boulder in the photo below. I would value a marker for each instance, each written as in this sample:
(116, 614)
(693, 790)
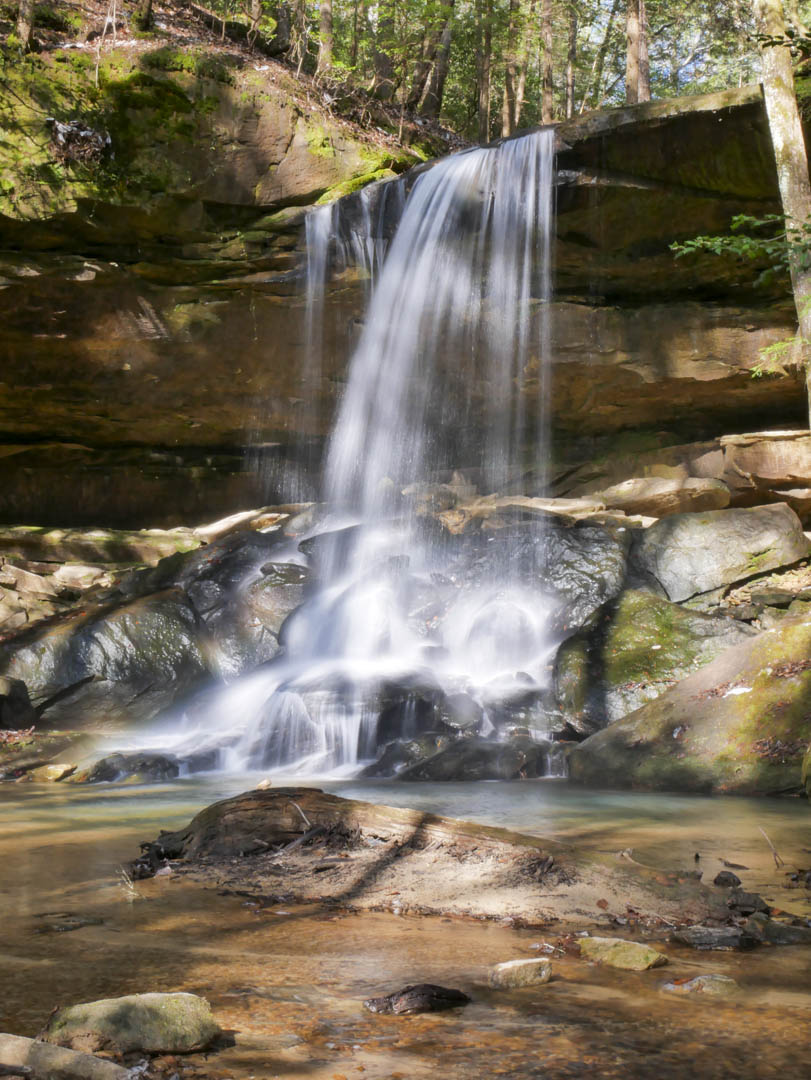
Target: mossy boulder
(483, 759)
(640, 647)
(741, 725)
(628, 955)
(153, 1023)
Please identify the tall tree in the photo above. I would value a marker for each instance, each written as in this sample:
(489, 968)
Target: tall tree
(325, 36)
(510, 72)
(571, 59)
(25, 24)
(547, 80)
(142, 17)
(484, 58)
(432, 101)
(790, 158)
(637, 69)
(594, 91)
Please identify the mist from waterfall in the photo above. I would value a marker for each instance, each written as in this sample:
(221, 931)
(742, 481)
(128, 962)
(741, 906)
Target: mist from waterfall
(447, 382)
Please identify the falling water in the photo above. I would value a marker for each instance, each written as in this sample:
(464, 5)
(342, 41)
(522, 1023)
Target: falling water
(448, 372)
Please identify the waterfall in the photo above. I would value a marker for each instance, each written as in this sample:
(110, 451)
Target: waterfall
(447, 381)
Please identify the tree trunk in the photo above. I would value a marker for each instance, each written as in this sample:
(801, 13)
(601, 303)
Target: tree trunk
(256, 18)
(324, 36)
(548, 85)
(643, 88)
(632, 30)
(353, 51)
(596, 79)
(484, 18)
(570, 62)
(508, 102)
(25, 23)
(523, 64)
(384, 82)
(432, 103)
(790, 158)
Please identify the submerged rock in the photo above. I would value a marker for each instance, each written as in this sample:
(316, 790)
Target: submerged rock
(725, 879)
(628, 955)
(154, 1023)
(56, 1062)
(777, 932)
(696, 553)
(422, 997)
(515, 973)
(707, 985)
(740, 724)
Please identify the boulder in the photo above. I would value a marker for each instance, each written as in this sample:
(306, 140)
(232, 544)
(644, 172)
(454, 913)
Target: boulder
(777, 932)
(640, 647)
(615, 952)
(56, 1062)
(110, 664)
(475, 758)
(16, 710)
(710, 985)
(142, 768)
(152, 1023)
(658, 496)
(741, 724)
(696, 553)
(515, 973)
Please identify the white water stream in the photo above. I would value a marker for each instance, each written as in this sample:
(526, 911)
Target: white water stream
(450, 367)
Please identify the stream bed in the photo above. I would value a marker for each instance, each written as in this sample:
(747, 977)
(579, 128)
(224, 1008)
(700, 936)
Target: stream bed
(288, 982)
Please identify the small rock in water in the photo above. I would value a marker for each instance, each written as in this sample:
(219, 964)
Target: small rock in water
(714, 985)
(727, 880)
(628, 955)
(52, 773)
(746, 903)
(155, 1023)
(514, 973)
(422, 997)
(719, 938)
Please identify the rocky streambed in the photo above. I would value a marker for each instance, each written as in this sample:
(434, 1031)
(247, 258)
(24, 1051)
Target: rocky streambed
(287, 979)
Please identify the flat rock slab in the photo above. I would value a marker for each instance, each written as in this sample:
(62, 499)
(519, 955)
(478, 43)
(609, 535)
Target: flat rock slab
(422, 997)
(615, 952)
(56, 1062)
(515, 973)
(154, 1023)
(394, 859)
(708, 985)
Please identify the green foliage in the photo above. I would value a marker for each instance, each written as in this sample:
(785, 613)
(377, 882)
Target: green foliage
(196, 62)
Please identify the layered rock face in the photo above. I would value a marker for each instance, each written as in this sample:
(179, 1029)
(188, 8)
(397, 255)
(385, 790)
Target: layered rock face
(153, 324)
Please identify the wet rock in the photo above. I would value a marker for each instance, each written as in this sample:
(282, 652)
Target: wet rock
(137, 767)
(16, 710)
(483, 759)
(716, 938)
(777, 932)
(56, 1062)
(740, 724)
(695, 553)
(615, 952)
(154, 1023)
(515, 973)
(401, 753)
(707, 985)
(52, 773)
(65, 922)
(726, 879)
(640, 646)
(279, 592)
(422, 997)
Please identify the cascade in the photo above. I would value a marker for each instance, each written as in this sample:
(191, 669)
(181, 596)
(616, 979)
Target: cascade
(410, 627)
